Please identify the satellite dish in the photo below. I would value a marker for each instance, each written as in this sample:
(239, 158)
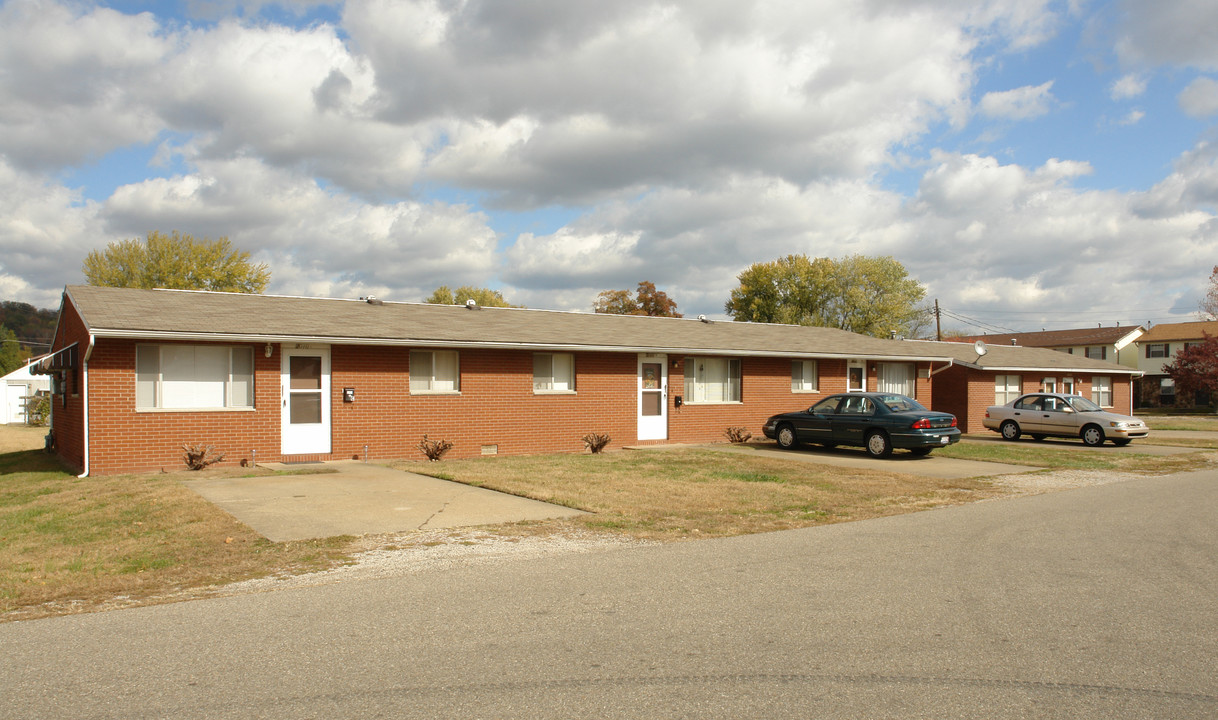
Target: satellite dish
(980, 347)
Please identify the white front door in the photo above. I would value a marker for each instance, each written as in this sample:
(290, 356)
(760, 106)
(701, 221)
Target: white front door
(856, 376)
(305, 404)
(653, 397)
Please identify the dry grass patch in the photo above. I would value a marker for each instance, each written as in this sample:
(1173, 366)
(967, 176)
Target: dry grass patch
(72, 544)
(686, 493)
(1204, 423)
(1075, 457)
(14, 438)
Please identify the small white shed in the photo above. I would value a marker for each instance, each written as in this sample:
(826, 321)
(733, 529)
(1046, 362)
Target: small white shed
(16, 387)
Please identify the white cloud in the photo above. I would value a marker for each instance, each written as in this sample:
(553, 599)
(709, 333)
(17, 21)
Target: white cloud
(1023, 103)
(316, 241)
(1127, 86)
(1200, 98)
(691, 139)
(1133, 117)
(45, 232)
(1175, 32)
(64, 82)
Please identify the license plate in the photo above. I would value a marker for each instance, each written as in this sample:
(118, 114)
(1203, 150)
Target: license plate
(943, 440)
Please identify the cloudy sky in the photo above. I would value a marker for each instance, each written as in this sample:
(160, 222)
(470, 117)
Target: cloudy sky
(1034, 164)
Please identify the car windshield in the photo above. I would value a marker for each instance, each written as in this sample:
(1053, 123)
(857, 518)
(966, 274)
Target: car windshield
(900, 403)
(1082, 404)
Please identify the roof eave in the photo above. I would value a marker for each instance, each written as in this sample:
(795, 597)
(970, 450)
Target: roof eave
(501, 345)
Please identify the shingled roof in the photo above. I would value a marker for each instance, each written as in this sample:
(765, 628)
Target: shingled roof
(1060, 338)
(184, 314)
(1016, 357)
(1180, 331)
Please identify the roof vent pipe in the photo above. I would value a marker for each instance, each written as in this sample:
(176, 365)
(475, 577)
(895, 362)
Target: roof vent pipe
(471, 304)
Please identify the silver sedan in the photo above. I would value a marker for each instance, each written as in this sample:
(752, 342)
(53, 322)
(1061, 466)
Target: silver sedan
(1040, 415)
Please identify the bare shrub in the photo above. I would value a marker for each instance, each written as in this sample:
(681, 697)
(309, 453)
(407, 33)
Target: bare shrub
(434, 449)
(197, 458)
(737, 434)
(596, 442)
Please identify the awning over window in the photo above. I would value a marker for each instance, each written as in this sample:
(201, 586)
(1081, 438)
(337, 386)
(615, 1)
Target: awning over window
(63, 360)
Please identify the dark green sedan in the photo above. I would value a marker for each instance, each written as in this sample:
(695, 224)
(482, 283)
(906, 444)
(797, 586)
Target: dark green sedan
(876, 421)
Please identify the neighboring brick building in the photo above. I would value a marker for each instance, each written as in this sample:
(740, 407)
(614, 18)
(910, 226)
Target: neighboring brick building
(137, 373)
(974, 381)
(1158, 347)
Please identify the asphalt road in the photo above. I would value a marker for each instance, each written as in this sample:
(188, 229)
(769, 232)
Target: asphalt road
(1100, 602)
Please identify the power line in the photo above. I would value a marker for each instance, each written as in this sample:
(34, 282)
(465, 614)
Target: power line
(975, 322)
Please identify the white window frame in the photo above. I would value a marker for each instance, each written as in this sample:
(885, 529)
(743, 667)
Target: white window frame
(155, 393)
(1096, 352)
(805, 376)
(1164, 350)
(1067, 386)
(1007, 388)
(698, 388)
(423, 377)
(553, 374)
(1049, 384)
(1101, 390)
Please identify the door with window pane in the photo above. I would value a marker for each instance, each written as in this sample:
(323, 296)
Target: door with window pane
(305, 400)
(653, 397)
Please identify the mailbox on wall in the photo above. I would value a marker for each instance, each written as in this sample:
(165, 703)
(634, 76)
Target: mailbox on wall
(348, 395)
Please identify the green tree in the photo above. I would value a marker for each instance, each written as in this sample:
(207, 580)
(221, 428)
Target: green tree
(176, 261)
(867, 295)
(11, 352)
(1195, 367)
(645, 301)
(485, 297)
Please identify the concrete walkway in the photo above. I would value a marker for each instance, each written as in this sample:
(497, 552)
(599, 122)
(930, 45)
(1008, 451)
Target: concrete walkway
(362, 499)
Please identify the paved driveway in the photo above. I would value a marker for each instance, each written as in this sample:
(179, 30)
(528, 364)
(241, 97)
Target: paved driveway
(363, 499)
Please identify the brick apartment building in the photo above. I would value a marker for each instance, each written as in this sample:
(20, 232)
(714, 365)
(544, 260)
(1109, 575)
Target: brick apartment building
(984, 375)
(138, 373)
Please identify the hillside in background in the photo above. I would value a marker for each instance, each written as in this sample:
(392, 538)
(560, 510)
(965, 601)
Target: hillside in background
(32, 326)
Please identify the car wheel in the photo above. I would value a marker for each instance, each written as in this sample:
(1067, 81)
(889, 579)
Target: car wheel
(1093, 436)
(1121, 443)
(1038, 437)
(920, 452)
(878, 444)
(1010, 430)
(786, 436)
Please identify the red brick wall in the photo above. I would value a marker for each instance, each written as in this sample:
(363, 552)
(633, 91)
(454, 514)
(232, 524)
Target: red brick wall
(124, 440)
(67, 415)
(496, 406)
(966, 393)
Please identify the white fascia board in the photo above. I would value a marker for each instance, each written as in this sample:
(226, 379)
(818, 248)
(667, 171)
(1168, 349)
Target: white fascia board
(1089, 371)
(1133, 335)
(425, 342)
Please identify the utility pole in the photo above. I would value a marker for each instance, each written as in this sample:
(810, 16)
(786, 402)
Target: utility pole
(938, 329)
